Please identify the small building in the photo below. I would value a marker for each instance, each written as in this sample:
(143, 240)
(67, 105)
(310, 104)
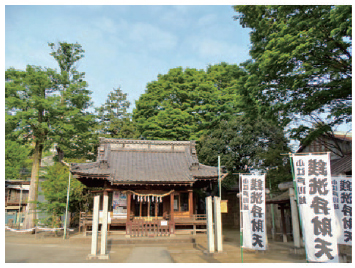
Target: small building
(16, 196)
(340, 147)
(155, 183)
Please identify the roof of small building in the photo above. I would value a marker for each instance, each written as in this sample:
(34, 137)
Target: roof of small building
(341, 165)
(121, 160)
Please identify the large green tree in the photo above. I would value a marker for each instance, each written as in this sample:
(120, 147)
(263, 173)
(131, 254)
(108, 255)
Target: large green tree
(31, 107)
(244, 144)
(185, 104)
(302, 63)
(74, 124)
(16, 156)
(114, 120)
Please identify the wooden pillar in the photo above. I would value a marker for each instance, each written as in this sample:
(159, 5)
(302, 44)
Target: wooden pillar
(128, 213)
(148, 212)
(172, 223)
(156, 208)
(283, 224)
(191, 201)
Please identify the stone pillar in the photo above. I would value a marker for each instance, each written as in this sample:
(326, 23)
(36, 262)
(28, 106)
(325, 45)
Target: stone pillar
(104, 226)
(218, 223)
(210, 233)
(95, 227)
(283, 224)
(295, 221)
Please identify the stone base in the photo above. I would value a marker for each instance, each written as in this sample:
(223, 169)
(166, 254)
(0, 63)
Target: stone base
(98, 257)
(206, 252)
(297, 251)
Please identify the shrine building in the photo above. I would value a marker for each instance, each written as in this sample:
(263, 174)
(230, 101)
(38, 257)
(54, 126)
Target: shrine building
(153, 187)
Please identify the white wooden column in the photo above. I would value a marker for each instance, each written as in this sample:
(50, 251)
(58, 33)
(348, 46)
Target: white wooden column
(95, 226)
(210, 233)
(295, 221)
(218, 223)
(104, 226)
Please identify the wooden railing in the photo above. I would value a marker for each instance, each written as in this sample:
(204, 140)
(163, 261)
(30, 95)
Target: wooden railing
(153, 228)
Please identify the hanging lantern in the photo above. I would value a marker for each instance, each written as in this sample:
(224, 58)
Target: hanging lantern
(134, 196)
(152, 198)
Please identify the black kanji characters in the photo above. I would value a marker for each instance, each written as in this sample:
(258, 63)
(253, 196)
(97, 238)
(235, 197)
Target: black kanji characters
(346, 210)
(318, 186)
(256, 185)
(257, 225)
(320, 206)
(348, 236)
(345, 198)
(345, 185)
(347, 223)
(256, 211)
(323, 248)
(257, 240)
(256, 197)
(323, 227)
(317, 167)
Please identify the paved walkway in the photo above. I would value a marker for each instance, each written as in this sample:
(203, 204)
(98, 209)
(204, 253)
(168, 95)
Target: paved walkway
(149, 255)
(26, 248)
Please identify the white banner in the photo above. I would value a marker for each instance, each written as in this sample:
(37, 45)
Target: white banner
(314, 191)
(342, 199)
(253, 211)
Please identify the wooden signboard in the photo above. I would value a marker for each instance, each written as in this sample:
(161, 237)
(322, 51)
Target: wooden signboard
(224, 206)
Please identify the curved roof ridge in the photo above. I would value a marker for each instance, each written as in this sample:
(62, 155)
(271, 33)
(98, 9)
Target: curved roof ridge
(127, 141)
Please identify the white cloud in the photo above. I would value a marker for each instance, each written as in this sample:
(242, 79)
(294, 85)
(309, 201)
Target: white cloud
(151, 37)
(207, 20)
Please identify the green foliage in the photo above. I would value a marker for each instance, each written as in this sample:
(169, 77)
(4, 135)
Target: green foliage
(185, 104)
(114, 120)
(30, 103)
(16, 156)
(302, 61)
(55, 188)
(74, 125)
(243, 144)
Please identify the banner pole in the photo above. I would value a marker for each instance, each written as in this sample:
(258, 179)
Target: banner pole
(240, 220)
(296, 195)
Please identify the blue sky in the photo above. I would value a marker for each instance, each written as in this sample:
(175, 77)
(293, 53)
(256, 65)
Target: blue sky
(125, 46)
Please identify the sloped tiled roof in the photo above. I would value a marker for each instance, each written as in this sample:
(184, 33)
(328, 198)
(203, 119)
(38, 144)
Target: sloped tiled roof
(146, 161)
(341, 165)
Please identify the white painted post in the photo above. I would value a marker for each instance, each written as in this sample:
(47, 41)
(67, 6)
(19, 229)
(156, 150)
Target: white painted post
(95, 226)
(218, 223)
(295, 221)
(104, 226)
(210, 233)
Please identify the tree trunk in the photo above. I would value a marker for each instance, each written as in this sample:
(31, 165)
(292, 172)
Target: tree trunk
(60, 154)
(30, 215)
